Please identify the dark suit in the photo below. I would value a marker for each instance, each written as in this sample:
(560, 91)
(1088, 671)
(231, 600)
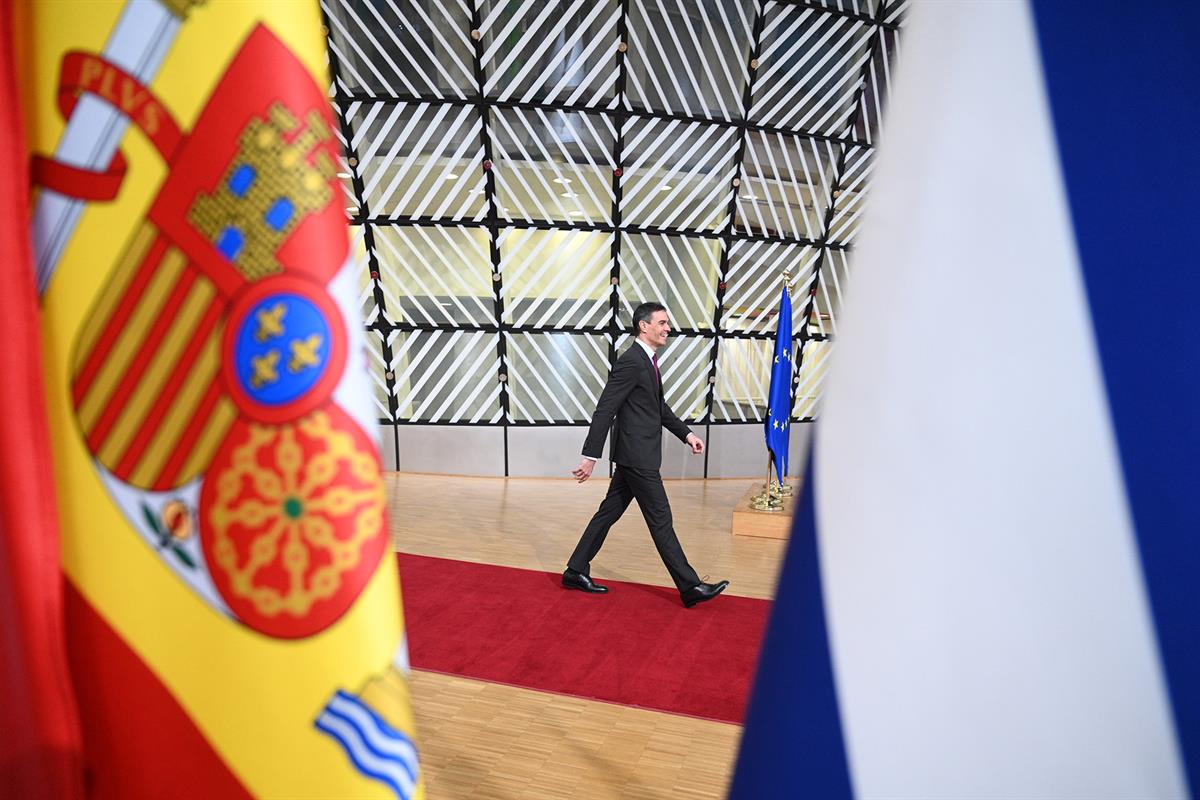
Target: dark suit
(634, 397)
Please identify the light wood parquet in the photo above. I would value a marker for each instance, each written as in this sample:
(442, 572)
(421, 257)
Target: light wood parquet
(535, 522)
(487, 741)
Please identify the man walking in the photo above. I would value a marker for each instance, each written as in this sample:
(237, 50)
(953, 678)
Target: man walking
(634, 396)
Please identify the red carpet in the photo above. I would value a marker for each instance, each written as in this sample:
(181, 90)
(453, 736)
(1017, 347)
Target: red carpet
(636, 646)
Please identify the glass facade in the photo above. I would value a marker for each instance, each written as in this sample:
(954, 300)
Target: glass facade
(522, 174)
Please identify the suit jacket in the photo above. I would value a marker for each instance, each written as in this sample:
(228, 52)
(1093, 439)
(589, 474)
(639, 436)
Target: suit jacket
(634, 397)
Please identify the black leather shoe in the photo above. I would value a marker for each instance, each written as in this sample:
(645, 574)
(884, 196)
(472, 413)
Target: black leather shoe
(701, 592)
(577, 580)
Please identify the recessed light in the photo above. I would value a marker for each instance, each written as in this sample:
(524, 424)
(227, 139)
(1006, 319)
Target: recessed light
(569, 194)
(562, 180)
(451, 176)
(576, 213)
(345, 175)
(750, 197)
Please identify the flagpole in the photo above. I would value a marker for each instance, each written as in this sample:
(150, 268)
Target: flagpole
(769, 500)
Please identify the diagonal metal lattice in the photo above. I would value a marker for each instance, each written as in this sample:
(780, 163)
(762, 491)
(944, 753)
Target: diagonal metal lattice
(522, 173)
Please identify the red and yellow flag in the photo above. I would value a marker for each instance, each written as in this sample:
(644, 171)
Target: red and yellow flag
(233, 613)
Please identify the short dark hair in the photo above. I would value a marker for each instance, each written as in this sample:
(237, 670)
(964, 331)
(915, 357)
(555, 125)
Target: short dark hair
(643, 313)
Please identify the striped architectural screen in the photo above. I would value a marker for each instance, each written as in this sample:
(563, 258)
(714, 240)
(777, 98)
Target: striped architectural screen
(522, 174)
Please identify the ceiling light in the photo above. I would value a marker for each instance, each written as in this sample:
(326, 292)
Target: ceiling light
(666, 187)
(451, 176)
(345, 175)
(569, 194)
(576, 213)
(562, 180)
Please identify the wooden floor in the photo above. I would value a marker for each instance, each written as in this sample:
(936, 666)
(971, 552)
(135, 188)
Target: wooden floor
(487, 741)
(491, 742)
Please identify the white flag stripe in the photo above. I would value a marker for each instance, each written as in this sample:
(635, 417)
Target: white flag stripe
(1002, 603)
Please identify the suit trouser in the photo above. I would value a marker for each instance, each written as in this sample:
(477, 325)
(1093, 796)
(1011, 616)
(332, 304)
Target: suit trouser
(646, 486)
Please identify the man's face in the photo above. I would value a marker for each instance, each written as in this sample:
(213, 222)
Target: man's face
(656, 330)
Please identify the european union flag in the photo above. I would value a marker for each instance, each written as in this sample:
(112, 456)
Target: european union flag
(779, 398)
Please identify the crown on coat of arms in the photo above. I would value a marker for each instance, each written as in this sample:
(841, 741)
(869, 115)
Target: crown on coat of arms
(268, 188)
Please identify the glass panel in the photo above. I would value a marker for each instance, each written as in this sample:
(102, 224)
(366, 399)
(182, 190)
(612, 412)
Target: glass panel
(786, 185)
(435, 275)
(681, 273)
(685, 363)
(743, 377)
(690, 58)
(852, 195)
(754, 284)
(537, 51)
(810, 378)
(419, 160)
(810, 70)
(553, 165)
(402, 47)
(556, 278)
(677, 175)
(446, 376)
(555, 377)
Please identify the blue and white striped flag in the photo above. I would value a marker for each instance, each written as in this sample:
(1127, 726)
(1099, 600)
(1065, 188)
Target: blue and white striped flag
(991, 587)
(375, 747)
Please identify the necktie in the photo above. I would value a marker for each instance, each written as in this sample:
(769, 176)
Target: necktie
(656, 370)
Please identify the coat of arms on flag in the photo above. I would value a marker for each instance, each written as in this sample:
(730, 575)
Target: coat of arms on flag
(209, 378)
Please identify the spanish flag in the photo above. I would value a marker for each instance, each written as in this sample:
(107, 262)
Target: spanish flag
(232, 612)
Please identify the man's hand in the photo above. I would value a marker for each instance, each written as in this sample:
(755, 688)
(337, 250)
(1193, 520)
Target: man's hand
(584, 470)
(694, 442)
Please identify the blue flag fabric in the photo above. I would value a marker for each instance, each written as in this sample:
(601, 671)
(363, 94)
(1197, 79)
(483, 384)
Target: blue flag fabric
(779, 398)
(990, 587)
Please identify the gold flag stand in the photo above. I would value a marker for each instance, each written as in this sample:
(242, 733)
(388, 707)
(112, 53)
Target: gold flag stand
(771, 498)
